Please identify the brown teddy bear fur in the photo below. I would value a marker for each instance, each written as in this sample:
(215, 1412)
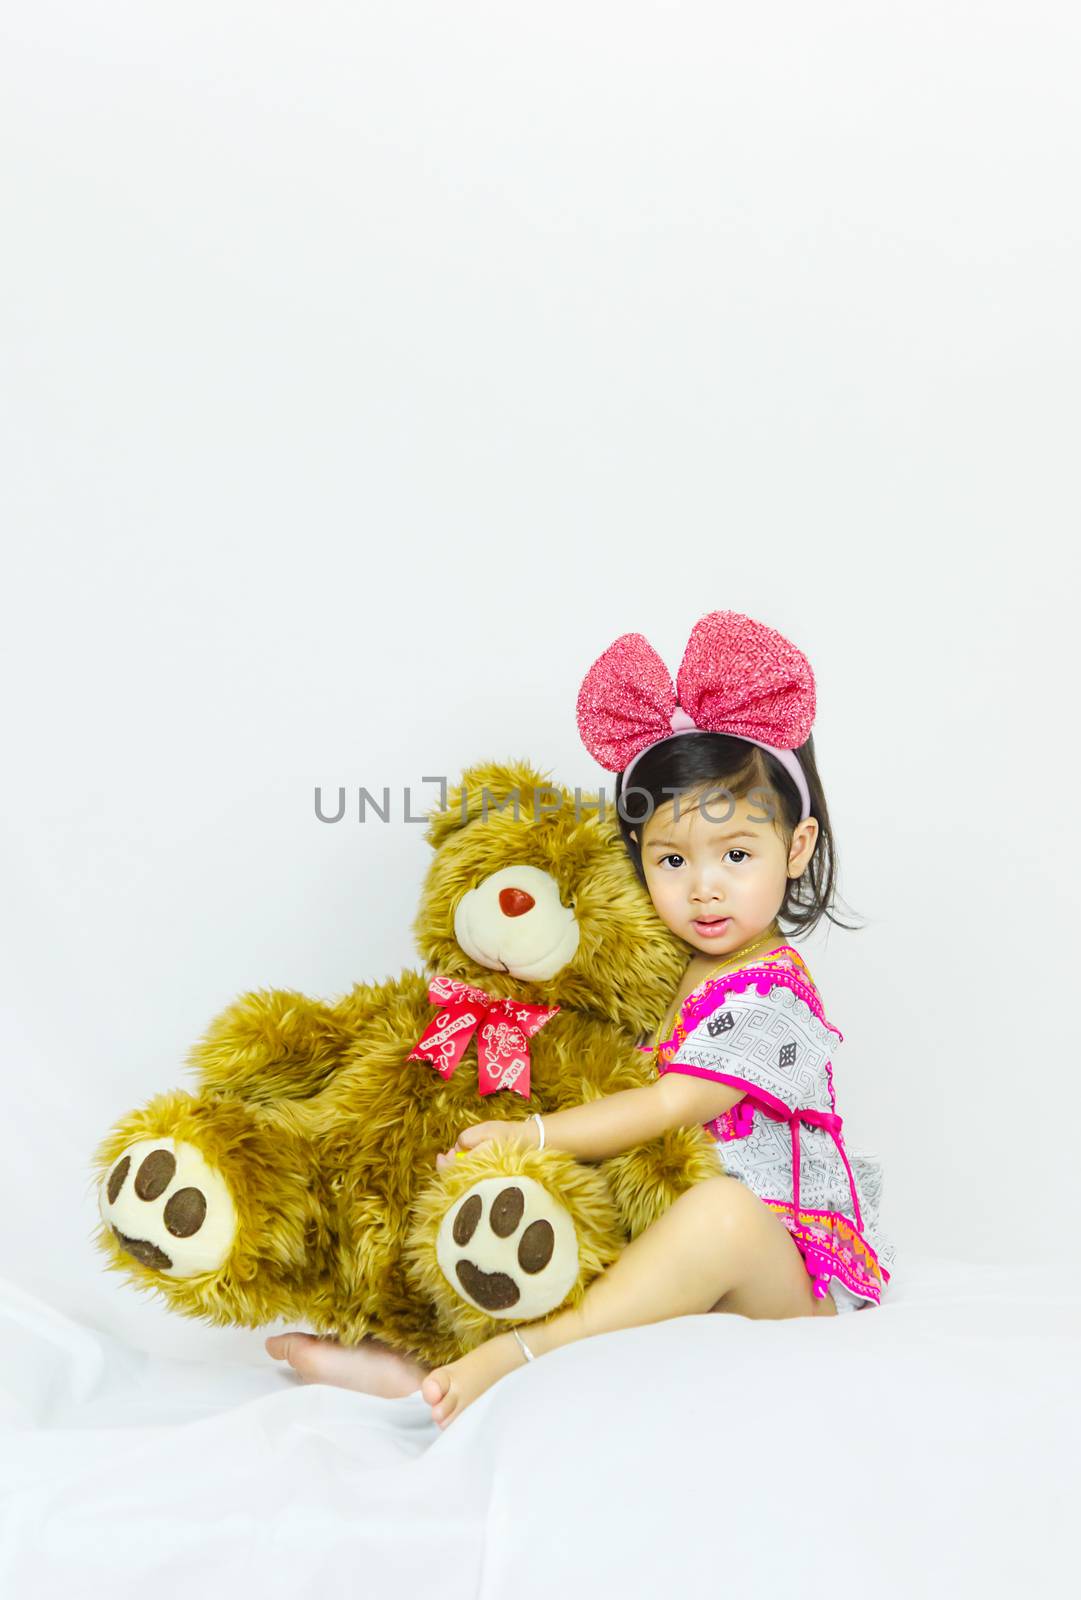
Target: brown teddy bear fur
(325, 1136)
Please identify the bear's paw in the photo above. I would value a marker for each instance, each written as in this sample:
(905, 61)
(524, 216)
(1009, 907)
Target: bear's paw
(168, 1208)
(509, 1248)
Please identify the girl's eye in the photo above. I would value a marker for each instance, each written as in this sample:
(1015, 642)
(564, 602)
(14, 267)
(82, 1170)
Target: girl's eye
(744, 854)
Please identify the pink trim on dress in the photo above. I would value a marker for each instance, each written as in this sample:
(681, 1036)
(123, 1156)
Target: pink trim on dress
(775, 1108)
(764, 978)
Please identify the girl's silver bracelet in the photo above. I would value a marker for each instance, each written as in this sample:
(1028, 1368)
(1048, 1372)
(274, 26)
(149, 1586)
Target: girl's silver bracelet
(526, 1351)
(540, 1128)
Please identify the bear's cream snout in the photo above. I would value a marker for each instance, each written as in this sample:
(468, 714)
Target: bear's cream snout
(514, 921)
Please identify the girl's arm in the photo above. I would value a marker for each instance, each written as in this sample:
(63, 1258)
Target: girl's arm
(617, 1122)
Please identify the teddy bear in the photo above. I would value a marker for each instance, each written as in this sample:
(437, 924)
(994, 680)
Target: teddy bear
(298, 1179)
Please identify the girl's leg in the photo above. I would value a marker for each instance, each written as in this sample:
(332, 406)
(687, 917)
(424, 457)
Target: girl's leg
(717, 1248)
(370, 1366)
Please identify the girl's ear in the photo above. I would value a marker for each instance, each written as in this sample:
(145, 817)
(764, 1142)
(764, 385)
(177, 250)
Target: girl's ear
(805, 840)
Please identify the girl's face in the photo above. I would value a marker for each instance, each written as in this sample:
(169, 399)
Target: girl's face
(719, 884)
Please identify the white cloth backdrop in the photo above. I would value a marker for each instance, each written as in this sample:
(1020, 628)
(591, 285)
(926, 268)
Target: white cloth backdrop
(367, 371)
(926, 1449)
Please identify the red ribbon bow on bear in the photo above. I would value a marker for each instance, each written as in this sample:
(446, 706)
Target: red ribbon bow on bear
(505, 1027)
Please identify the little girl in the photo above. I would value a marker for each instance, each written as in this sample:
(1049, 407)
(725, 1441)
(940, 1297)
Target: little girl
(729, 831)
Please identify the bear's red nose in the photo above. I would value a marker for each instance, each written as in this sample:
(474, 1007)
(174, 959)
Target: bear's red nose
(512, 902)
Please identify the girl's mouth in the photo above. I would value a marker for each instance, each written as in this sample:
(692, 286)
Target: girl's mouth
(712, 930)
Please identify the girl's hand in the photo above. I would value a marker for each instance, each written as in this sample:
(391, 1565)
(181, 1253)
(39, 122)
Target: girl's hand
(490, 1132)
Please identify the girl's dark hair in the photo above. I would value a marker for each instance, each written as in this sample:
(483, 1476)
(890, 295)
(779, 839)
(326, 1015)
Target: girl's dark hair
(720, 761)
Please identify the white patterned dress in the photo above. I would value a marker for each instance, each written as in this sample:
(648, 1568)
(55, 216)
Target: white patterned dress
(763, 1029)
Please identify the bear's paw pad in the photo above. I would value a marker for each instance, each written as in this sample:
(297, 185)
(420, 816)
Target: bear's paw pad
(509, 1248)
(168, 1208)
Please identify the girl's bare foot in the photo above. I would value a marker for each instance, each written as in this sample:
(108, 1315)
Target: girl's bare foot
(370, 1366)
(448, 1390)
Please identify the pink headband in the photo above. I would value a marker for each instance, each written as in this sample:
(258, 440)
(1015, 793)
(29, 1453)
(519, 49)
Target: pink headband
(737, 677)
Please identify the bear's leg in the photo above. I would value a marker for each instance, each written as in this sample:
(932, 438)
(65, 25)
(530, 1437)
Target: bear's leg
(505, 1234)
(217, 1206)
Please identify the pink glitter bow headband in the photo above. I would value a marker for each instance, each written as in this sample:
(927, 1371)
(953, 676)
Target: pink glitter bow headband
(737, 677)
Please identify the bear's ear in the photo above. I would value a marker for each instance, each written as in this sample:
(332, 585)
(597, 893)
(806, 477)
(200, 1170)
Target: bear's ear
(488, 786)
